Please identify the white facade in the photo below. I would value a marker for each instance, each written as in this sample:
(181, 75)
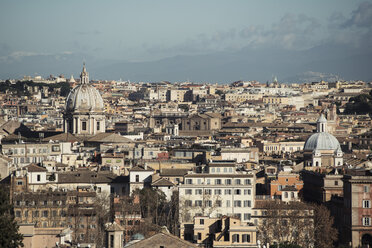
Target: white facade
(222, 191)
(37, 177)
(25, 153)
(238, 155)
(138, 177)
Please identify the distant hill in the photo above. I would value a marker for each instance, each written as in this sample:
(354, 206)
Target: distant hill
(323, 62)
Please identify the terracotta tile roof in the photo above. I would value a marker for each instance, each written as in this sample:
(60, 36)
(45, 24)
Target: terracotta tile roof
(35, 168)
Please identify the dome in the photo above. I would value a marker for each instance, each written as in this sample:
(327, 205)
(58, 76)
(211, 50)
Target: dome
(84, 97)
(321, 141)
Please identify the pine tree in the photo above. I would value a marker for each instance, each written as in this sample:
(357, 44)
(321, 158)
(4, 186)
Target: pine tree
(9, 235)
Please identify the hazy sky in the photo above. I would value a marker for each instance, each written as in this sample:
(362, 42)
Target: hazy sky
(149, 30)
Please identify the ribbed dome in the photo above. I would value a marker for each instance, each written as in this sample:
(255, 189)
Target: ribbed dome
(84, 97)
(321, 141)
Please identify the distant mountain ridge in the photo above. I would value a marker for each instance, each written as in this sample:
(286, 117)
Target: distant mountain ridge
(323, 62)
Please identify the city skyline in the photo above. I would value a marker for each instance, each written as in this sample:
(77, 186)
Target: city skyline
(161, 41)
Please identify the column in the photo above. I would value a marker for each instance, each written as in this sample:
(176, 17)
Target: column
(78, 126)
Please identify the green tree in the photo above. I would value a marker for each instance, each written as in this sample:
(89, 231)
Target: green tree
(9, 235)
(361, 104)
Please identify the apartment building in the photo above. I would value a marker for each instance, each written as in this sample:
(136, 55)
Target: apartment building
(23, 154)
(223, 189)
(357, 210)
(224, 232)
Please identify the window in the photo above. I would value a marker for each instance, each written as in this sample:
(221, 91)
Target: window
(218, 203)
(19, 182)
(130, 222)
(208, 203)
(199, 181)
(198, 203)
(228, 181)
(26, 213)
(188, 191)
(188, 181)
(198, 192)
(228, 203)
(54, 213)
(336, 183)
(98, 125)
(38, 178)
(237, 204)
(237, 192)
(137, 178)
(247, 191)
(45, 213)
(235, 238)
(227, 191)
(247, 181)
(212, 170)
(237, 181)
(35, 214)
(84, 125)
(208, 181)
(247, 216)
(55, 148)
(18, 214)
(217, 181)
(285, 194)
(366, 203)
(188, 203)
(366, 189)
(201, 221)
(217, 192)
(199, 236)
(208, 191)
(366, 221)
(246, 238)
(247, 203)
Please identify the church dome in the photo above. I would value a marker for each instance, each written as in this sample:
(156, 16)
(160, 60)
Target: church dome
(321, 141)
(84, 97)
